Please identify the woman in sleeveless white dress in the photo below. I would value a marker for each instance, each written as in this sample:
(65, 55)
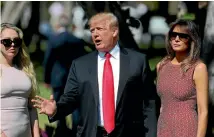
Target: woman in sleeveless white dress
(18, 86)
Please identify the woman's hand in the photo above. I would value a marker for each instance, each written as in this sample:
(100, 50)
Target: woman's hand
(3, 134)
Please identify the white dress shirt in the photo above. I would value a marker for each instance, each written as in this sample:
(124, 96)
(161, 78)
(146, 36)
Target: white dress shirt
(115, 63)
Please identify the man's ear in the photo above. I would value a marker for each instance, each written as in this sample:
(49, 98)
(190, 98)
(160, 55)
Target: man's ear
(115, 32)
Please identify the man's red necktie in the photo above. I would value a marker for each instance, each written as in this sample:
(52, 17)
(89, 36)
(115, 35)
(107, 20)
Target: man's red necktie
(108, 95)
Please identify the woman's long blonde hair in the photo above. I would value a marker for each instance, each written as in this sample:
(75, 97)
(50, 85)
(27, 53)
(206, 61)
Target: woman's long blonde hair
(22, 59)
(194, 44)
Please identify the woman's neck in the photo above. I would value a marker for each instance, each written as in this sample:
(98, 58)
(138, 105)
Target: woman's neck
(7, 62)
(179, 57)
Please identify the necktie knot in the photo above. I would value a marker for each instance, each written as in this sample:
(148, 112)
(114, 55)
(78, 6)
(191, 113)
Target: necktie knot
(107, 55)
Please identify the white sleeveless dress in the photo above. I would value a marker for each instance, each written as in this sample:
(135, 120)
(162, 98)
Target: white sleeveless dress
(15, 90)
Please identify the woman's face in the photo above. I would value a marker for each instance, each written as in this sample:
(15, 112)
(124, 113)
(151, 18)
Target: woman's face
(10, 43)
(179, 39)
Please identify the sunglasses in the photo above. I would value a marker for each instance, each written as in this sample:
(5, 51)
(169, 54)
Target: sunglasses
(8, 42)
(182, 36)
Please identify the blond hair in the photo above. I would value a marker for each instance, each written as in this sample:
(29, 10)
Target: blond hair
(110, 18)
(22, 59)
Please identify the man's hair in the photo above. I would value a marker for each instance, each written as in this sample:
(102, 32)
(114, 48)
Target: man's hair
(109, 17)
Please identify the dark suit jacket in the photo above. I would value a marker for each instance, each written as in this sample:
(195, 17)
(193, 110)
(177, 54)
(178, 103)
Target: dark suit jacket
(135, 107)
(62, 49)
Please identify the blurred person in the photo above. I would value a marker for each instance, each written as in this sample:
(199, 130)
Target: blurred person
(111, 87)
(56, 9)
(63, 47)
(133, 14)
(79, 22)
(18, 86)
(182, 84)
(208, 57)
(208, 47)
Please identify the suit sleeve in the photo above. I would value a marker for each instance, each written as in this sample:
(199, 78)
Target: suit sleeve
(149, 103)
(70, 99)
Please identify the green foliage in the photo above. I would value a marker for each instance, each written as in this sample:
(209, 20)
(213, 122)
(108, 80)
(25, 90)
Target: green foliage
(188, 16)
(153, 62)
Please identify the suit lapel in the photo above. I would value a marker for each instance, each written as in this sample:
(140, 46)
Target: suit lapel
(94, 76)
(124, 73)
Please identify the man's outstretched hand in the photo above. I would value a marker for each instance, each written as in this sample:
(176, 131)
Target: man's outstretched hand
(46, 106)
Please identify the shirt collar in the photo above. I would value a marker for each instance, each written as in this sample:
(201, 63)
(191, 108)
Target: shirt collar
(114, 52)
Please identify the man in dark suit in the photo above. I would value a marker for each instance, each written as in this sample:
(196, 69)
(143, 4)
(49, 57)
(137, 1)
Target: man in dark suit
(111, 87)
(62, 49)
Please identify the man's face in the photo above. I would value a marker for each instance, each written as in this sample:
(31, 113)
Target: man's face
(103, 35)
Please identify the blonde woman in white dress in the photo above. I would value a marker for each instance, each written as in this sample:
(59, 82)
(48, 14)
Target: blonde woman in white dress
(18, 86)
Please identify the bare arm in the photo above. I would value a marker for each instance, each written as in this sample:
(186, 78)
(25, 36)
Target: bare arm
(34, 120)
(201, 81)
(158, 67)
